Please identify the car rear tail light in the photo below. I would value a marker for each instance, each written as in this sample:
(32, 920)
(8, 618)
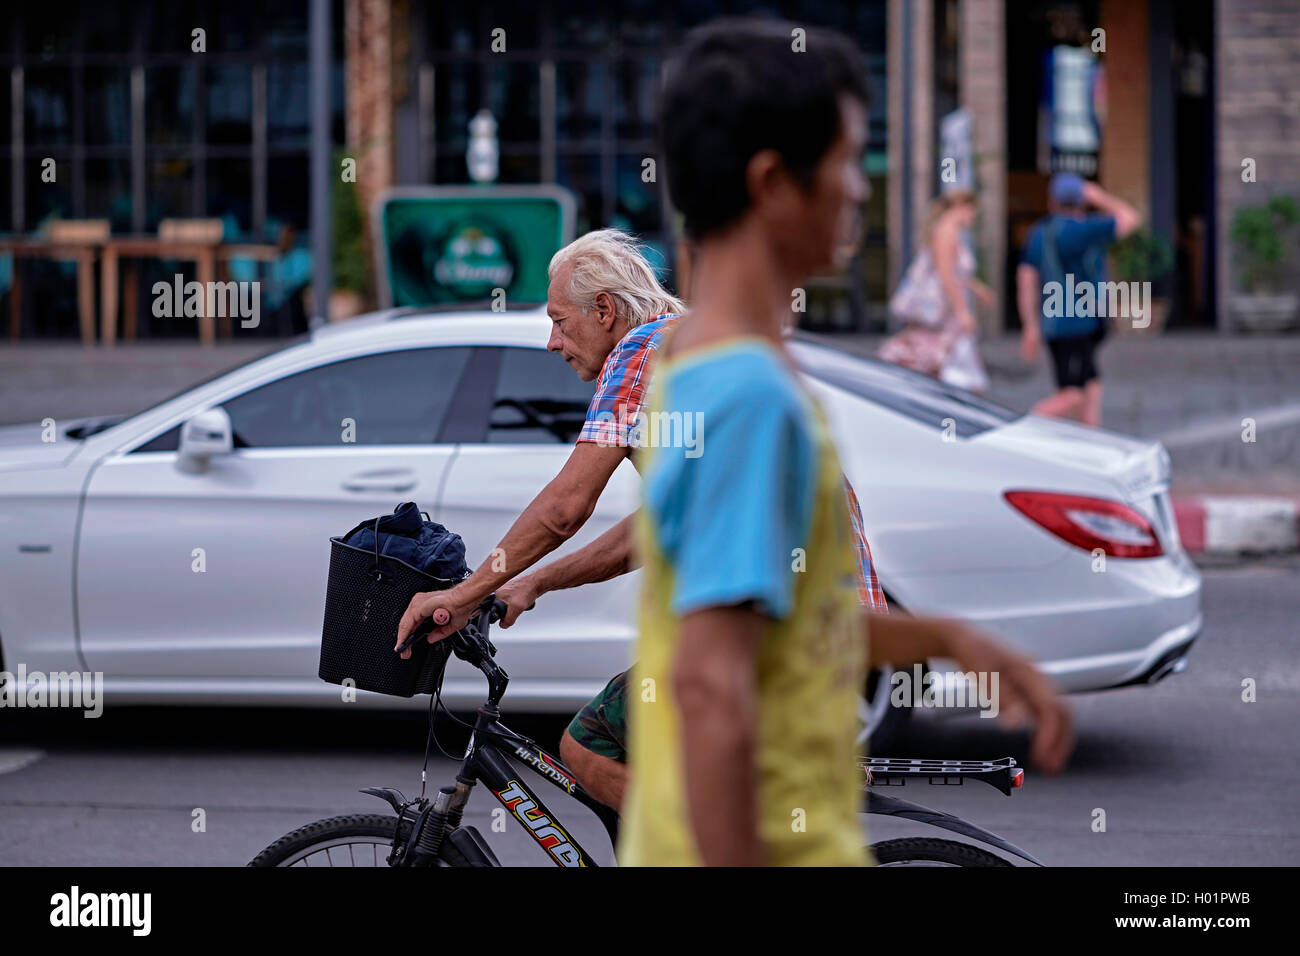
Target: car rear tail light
(1090, 523)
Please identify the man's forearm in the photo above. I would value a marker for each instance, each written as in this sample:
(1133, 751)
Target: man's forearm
(534, 535)
(610, 555)
(898, 639)
(1027, 297)
(1126, 217)
(713, 681)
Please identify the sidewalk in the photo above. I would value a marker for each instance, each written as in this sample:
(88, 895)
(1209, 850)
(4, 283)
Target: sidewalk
(1190, 391)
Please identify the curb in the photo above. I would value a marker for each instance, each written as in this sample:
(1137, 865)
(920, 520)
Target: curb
(1218, 524)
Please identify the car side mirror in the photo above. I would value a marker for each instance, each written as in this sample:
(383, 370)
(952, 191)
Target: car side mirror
(203, 436)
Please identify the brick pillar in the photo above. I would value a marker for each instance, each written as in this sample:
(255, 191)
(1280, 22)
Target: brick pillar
(982, 78)
(368, 34)
(1124, 167)
(1257, 109)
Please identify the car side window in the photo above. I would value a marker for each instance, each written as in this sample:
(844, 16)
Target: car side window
(538, 399)
(392, 398)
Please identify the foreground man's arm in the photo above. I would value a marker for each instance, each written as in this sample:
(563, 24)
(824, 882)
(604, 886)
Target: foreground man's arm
(1026, 693)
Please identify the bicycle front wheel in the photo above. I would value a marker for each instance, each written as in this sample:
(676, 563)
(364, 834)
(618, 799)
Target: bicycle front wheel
(359, 839)
(916, 851)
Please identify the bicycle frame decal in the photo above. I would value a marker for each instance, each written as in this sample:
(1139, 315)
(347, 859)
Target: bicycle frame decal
(539, 762)
(551, 837)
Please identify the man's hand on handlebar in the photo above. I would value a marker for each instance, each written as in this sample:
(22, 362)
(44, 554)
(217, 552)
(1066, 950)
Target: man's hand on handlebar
(518, 596)
(453, 607)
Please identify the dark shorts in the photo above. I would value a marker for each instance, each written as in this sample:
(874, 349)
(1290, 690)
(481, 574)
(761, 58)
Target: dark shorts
(601, 725)
(1074, 359)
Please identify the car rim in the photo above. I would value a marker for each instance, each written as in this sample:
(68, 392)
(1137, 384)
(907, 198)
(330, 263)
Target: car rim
(871, 711)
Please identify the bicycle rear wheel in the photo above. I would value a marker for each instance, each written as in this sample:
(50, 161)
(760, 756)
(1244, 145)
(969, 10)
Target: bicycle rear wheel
(355, 840)
(918, 851)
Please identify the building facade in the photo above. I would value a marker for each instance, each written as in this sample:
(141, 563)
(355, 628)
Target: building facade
(143, 121)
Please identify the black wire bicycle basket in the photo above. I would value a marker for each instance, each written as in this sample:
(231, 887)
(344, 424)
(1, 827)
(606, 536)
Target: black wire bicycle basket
(365, 598)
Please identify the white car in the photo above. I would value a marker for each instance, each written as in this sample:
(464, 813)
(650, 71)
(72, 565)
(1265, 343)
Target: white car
(188, 571)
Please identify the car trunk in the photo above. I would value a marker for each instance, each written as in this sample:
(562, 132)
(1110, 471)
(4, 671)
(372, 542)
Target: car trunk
(1138, 468)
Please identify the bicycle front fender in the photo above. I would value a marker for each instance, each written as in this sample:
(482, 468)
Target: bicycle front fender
(894, 807)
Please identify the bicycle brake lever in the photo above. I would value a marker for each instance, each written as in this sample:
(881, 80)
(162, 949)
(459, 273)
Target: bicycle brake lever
(424, 630)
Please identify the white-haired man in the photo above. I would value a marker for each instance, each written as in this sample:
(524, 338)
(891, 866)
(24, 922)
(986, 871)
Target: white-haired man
(595, 282)
(608, 316)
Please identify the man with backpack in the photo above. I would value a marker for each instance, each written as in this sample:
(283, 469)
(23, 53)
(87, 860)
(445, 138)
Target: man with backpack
(1067, 250)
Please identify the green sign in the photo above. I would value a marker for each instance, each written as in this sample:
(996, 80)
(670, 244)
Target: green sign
(446, 244)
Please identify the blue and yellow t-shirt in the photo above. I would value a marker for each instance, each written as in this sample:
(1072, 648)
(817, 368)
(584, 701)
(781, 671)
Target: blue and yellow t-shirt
(753, 512)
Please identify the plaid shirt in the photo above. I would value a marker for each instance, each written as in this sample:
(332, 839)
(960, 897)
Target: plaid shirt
(620, 396)
(870, 593)
(621, 387)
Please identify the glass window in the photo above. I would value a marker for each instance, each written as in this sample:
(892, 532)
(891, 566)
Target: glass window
(538, 400)
(230, 104)
(48, 29)
(512, 97)
(581, 173)
(47, 106)
(169, 26)
(286, 29)
(638, 201)
(580, 92)
(169, 105)
(583, 23)
(169, 184)
(6, 196)
(110, 26)
(288, 104)
(451, 29)
(45, 200)
(394, 398)
(108, 192)
(900, 390)
(287, 182)
(641, 23)
(522, 167)
(457, 98)
(230, 186)
(639, 82)
(108, 106)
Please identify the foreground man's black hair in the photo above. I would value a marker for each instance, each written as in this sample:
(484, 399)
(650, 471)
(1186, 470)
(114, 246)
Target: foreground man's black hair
(737, 87)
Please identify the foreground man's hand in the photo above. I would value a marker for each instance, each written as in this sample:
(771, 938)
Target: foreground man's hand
(1025, 693)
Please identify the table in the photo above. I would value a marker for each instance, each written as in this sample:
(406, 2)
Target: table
(81, 252)
(205, 255)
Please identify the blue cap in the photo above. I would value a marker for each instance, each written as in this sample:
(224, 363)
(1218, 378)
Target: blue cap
(1066, 189)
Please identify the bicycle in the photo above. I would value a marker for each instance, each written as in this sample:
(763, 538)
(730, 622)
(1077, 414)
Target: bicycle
(428, 832)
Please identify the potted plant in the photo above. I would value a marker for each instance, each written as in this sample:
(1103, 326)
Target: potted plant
(1263, 239)
(1143, 257)
(350, 262)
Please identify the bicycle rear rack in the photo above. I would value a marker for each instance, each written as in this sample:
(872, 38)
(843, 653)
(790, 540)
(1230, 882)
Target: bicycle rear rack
(1002, 774)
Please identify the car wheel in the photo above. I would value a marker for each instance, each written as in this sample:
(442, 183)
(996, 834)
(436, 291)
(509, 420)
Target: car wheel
(881, 726)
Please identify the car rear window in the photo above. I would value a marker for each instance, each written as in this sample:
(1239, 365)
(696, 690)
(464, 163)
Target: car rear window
(918, 397)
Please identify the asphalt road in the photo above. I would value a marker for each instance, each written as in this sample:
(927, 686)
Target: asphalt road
(1186, 772)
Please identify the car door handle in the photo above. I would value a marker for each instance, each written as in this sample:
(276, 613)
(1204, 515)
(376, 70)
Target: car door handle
(391, 479)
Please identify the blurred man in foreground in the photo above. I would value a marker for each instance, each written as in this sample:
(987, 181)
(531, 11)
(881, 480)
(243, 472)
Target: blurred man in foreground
(743, 704)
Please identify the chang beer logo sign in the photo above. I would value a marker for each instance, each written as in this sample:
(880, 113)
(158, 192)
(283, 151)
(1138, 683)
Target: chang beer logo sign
(472, 262)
